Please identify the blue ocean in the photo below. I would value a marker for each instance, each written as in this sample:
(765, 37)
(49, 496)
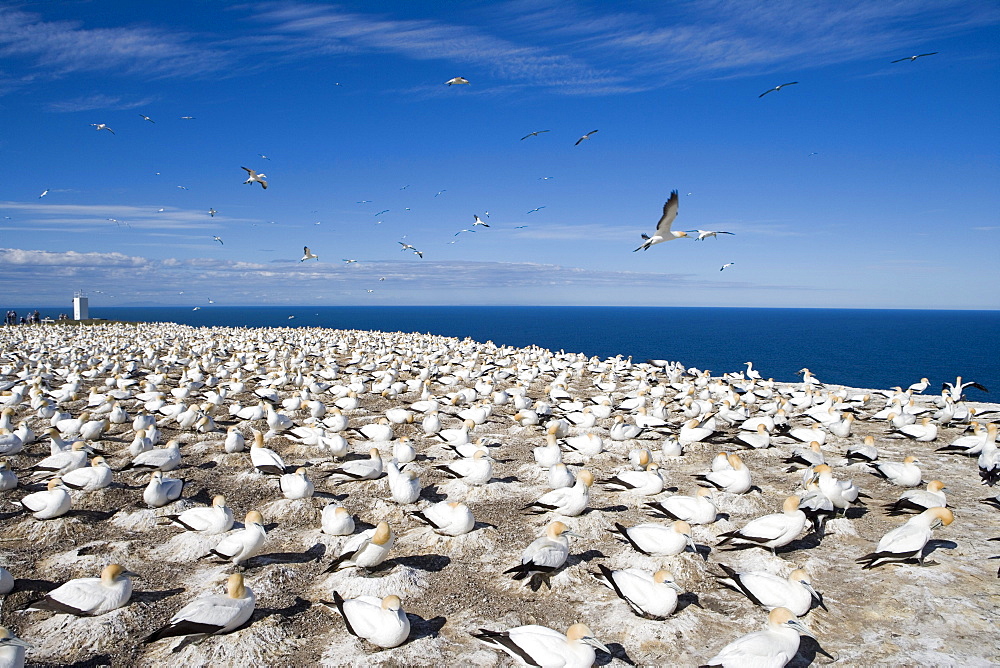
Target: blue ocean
(859, 348)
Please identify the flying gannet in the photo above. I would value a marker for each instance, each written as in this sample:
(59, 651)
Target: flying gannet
(663, 231)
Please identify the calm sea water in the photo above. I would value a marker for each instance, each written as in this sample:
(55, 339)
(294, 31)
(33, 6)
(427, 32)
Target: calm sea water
(860, 348)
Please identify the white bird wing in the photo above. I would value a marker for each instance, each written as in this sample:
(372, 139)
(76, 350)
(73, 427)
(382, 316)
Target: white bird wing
(669, 213)
(37, 501)
(905, 539)
(198, 519)
(218, 611)
(547, 554)
(767, 527)
(83, 594)
(545, 646)
(635, 585)
(365, 615)
(752, 650)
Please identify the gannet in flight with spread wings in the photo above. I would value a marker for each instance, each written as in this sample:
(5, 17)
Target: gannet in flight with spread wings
(586, 136)
(912, 58)
(254, 177)
(534, 134)
(663, 231)
(102, 126)
(704, 234)
(308, 255)
(456, 80)
(778, 87)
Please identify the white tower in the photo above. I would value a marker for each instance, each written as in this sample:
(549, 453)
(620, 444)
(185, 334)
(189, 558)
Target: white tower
(81, 307)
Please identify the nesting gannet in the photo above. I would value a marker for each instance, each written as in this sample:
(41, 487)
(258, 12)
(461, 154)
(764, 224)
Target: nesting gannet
(770, 531)
(658, 539)
(923, 432)
(335, 520)
(475, 471)
(535, 645)
(774, 646)
(88, 478)
(160, 491)
(905, 474)
(53, 502)
(254, 177)
(770, 591)
(90, 596)
(212, 613)
(450, 518)
(907, 541)
(12, 648)
(214, 519)
(158, 459)
(8, 479)
(912, 58)
(242, 545)
(381, 622)
(454, 81)
(404, 486)
(265, 460)
(864, 452)
(296, 485)
(650, 595)
(735, 479)
(842, 493)
(646, 483)
(777, 88)
(365, 550)
(308, 255)
(544, 555)
(235, 441)
(360, 469)
(919, 500)
(62, 462)
(568, 501)
(697, 509)
(586, 136)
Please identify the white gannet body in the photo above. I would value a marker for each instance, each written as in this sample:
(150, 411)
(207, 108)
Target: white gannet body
(475, 471)
(367, 549)
(211, 520)
(535, 645)
(296, 485)
(735, 479)
(770, 591)
(213, 613)
(158, 459)
(449, 518)
(360, 469)
(381, 622)
(89, 478)
(568, 501)
(907, 541)
(265, 460)
(160, 491)
(51, 503)
(770, 531)
(90, 596)
(650, 595)
(242, 545)
(906, 474)
(658, 540)
(12, 648)
(335, 520)
(697, 509)
(645, 483)
(544, 555)
(773, 647)
(919, 500)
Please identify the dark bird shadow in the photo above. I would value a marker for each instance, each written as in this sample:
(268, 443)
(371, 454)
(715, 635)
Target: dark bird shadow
(424, 628)
(7, 516)
(91, 662)
(509, 479)
(483, 525)
(806, 656)
(432, 494)
(36, 586)
(203, 496)
(314, 553)
(330, 495)
(432, 563)
(617, 652)
(855, 513)
(688, 599)
(807, 542)
(154, 596)
(934, 544)
(91, 516)
(90, 549)
(609, 509)
(584, 557)
(298, 607)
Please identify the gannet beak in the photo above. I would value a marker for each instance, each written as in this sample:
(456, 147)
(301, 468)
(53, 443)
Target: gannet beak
(567, 532)
(594, 642)
(800, 627)
(815, 595)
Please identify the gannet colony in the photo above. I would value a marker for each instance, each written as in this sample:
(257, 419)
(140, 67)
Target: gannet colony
(252, 497)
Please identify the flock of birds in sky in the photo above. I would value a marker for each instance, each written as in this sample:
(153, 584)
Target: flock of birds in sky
(662, 233)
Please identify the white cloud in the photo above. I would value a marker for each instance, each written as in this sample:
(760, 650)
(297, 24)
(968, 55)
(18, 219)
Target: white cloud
(87, 218)
(98, 101)
(135, 279)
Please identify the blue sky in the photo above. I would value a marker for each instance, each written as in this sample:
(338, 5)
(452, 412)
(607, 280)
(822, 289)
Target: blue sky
(867, 184)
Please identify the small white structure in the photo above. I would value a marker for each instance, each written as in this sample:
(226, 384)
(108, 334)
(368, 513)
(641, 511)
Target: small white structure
(81, 306)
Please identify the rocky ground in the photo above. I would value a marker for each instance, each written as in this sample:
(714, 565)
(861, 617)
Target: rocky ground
(942, 613)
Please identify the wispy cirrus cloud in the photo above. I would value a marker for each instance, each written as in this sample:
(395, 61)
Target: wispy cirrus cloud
(57, 48)
(136, 278)
(98, 101)
(86, 218)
